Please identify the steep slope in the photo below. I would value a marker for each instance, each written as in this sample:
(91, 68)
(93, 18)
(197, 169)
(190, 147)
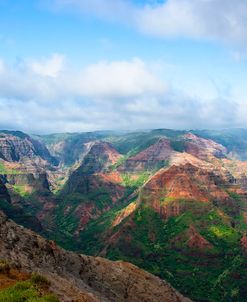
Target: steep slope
(17, 146)
(99, 157)
(25, 169)
(186, 182)
(202, 148)
(152, 158)
(77, 277)
(71, 147)
(187, 225)
(91, 189)
(20, 286)
(235, 140)
(135, 142)
(16, 211)
(105, 179)
(30, 200)
(171, 202)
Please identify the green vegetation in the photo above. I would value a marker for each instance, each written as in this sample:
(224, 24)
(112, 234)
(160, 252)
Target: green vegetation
(139, 141)
(65, 218)
(33, 290)
(4, 267)
(39, 280)
(122, 160)
(21, 190)
(60, 183)
(15, 212)
(4, 170)
(161, 164)
(92, 238)
(135, 181)
(216, 271)
(178, 145)
(216, 274)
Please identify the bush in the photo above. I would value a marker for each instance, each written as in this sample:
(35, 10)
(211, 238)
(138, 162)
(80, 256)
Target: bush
(27, 291)
(4, 267)
(39, 280)
(50, 298)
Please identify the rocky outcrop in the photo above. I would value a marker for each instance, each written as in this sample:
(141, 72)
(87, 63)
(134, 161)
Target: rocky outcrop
(37, 181)
(152, 158)
(183, 182)
(196, 241)
(16, 146)
(99, 187)
(100, 156)
(188, 182)
(124, 213)
(203, 148)
(89, 278)
(244, 243)
(98, 195)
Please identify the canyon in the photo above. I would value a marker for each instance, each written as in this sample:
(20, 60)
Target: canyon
(173, 203)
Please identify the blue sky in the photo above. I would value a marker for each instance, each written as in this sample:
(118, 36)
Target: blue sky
(78, 65)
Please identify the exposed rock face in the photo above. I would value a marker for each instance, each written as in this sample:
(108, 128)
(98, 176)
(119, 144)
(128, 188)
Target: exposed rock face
(39, 182)
(88, 278)
(125, 213)
(196, 240)
(203, 148)
(188, 182)
(182, 182)
(16, 146)
(244, 243)
(99, 194)
(152, 158)
(100, 156)
(98, 159)
(99, 187)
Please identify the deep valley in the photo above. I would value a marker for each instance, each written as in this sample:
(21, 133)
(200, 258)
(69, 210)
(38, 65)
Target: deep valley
(173, 203)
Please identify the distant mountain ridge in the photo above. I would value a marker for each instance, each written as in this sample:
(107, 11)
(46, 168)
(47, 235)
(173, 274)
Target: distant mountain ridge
(172, 202)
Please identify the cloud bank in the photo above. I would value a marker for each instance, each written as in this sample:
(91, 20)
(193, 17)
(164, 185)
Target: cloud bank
(47, 95)
(220, 20)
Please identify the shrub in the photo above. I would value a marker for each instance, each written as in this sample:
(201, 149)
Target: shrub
(4, 267)
(25, 292)
(39, 280)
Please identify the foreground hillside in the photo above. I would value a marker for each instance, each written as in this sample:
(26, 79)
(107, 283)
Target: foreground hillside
(75, 277)
(171, 202)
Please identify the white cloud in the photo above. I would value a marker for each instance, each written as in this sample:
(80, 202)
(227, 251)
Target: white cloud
(48, 67)
(118, 79)
(222, 20)
(106, 95)
(50, 79)
(2, 66)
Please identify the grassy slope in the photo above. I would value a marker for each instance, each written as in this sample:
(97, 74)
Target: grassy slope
(133, 143)
(217, 274)
(34, 289)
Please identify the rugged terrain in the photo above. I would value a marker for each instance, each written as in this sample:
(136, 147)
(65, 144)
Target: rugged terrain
(78, 278)
(171, 202)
